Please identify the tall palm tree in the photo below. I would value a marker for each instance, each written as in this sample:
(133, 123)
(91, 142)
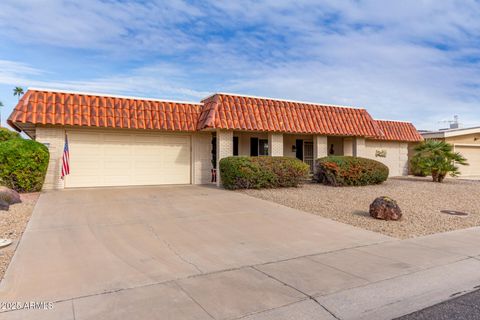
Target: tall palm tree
(18, 91)
(438, 158)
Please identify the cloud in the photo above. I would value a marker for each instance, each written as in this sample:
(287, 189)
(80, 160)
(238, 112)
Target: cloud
(413, 60)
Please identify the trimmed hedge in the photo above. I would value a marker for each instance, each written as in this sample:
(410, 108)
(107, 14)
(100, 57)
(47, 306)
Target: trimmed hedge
(262, 172)
(23, 164)
(349, 171)
(6, 134)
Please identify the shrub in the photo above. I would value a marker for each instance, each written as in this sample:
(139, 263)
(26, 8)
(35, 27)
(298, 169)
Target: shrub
(6, 134)
(349, 171)
(262, 172)
(438, 158)
(23, 164)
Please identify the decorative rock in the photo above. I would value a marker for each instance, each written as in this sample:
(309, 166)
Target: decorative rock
(9, 195)
(4, 205)
(385, 208)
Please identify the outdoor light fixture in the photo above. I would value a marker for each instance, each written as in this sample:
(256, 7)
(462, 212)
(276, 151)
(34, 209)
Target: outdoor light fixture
(294, 148)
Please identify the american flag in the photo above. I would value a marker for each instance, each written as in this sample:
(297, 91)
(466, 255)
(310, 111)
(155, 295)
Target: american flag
(65, 159)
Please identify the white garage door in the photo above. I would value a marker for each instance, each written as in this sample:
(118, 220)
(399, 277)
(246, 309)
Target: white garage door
(127, 159)
(472, 153)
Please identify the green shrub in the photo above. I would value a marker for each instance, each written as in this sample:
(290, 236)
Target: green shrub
(6, 134)
(23, 164)
(349, 171)
(262, 172)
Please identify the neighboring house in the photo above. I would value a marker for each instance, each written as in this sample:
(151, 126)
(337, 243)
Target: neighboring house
(464, 140)
(123, 141)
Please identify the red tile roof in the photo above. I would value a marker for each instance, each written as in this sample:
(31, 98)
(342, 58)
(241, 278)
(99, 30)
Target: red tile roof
(222, 111)
(398, 131)
(74, 109)
(233, 112)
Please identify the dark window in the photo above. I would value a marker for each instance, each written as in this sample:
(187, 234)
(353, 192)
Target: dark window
(235, 146)
(263, 147)
(253, 147)
(299, 149)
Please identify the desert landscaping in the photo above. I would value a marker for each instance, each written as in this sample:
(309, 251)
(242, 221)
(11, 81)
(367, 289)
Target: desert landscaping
(12, 225)
(420, 200)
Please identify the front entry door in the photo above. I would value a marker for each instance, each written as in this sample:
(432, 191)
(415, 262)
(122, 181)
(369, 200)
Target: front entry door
(308, 154)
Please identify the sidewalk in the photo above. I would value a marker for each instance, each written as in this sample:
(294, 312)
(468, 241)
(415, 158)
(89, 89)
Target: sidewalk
(380, 281)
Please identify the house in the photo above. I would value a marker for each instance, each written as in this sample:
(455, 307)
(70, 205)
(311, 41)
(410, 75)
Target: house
(464, 140)
(124, 141)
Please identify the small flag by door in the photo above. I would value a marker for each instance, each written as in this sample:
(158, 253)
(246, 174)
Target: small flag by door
(65, 159)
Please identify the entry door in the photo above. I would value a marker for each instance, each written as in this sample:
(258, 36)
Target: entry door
(308, 154)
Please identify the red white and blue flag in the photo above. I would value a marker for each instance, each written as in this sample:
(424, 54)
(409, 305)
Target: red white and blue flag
(65, 159)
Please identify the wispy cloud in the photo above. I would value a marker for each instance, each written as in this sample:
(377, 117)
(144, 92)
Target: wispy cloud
(412, 60)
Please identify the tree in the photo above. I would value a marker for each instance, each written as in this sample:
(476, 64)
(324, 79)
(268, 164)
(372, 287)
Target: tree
(1, 105)
(437, 158)
(18, 91)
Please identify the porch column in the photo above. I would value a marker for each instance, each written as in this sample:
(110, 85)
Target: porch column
(320, 149)
(275, 144)
(224, 149)
(359, 149)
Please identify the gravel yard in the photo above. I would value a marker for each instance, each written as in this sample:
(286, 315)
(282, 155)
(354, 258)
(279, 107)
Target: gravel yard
(420, 200)
(12, 225)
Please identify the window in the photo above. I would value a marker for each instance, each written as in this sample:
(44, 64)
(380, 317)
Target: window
(258, 147)
(235, 146)
(263, 147)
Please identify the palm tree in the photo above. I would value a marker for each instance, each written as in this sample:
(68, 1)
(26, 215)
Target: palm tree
(1, 105)
(18, 91)
(437, 158)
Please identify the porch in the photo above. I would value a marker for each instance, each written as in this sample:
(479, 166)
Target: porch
(306, 147)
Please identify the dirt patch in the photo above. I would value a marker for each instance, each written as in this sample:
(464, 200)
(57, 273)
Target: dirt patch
(420, 200)
(12, 225)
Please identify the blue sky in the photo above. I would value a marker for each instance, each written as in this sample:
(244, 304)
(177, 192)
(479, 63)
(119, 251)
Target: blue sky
(415, 60)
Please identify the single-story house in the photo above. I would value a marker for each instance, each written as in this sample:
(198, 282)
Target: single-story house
(464, 140)
(125, 141)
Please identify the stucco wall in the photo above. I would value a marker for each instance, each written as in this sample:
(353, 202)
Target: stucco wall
(337, 147)
(244, 141)
(54, 138)
(465, 139)
(289, 141)
(396, 155)
(202, 157)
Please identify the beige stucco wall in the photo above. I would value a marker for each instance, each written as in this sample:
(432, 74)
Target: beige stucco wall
(202, 157)
(289, 141)
(396, 158)
(244, 141)
(54, 137)
(465, 139)
(337, 143)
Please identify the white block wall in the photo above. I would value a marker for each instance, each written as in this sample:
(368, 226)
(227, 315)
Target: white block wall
(359, 148)
(224, 148)
(275, 144)
(55, 138)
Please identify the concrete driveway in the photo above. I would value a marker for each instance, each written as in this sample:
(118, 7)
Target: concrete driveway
(88, 242)
(193, 252)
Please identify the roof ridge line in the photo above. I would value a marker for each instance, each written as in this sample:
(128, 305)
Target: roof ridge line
(283, 100)
(99, 94)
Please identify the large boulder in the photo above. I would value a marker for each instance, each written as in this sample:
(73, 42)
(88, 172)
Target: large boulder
(385, 208)
(10, 196)
(4, 205)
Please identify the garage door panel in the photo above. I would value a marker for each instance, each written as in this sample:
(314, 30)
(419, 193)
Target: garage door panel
(472, 153)
(105, 159)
